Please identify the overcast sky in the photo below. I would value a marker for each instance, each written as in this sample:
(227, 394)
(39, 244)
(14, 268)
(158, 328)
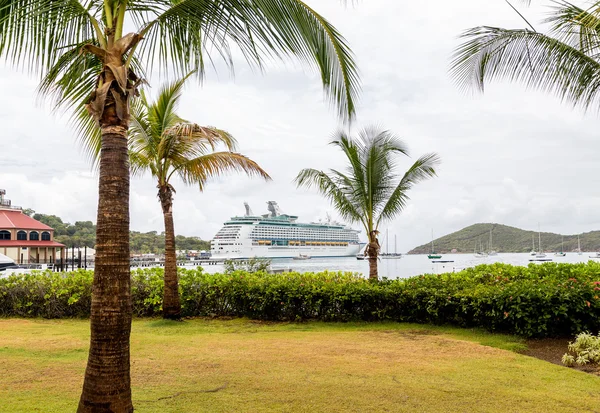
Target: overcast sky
(512, 156)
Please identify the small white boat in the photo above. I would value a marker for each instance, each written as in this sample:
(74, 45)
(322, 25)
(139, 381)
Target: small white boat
(597, 255)
(479, 254)
(491, 253)
(360, 256)
(540, 255)
(5, 262)
(302, 257)
(562, 252)
(391, 256)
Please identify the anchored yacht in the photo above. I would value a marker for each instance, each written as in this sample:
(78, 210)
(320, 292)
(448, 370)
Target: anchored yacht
(278, 235)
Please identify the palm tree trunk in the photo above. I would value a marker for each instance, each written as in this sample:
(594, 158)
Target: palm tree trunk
(372, 252)
(171, 302)
(107, 383)
(373, 274)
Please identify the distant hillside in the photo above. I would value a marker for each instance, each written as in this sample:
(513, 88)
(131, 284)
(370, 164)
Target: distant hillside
(83, 233)
(507, 239)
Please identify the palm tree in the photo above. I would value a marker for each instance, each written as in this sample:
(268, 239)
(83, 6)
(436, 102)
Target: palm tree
(88, 63)
(565, 61)
(168, 146)
(369, 192)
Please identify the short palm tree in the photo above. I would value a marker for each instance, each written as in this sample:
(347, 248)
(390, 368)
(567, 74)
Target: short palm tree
(564, 61)
(371, 191)
(167, 146)
(88, 62)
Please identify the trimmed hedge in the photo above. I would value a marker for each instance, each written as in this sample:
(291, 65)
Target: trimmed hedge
(539, 300)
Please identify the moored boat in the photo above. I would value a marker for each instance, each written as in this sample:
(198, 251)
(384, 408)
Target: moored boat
(6, 262)
(433, 255)
(302, 257)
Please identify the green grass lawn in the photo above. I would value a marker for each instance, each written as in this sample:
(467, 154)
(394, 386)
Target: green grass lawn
(245, 366)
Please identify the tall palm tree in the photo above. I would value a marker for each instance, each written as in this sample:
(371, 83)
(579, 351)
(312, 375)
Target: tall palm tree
(371, 191)
(564, 61)
(87, 62)
(167, 146)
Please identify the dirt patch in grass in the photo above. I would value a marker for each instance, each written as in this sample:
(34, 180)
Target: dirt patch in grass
(552, 350)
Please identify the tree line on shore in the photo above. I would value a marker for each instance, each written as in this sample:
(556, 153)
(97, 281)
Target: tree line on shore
(83, 234)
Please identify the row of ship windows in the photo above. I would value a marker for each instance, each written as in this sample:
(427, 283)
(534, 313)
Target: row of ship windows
(302, 243)
(307, 234)
(22, 236)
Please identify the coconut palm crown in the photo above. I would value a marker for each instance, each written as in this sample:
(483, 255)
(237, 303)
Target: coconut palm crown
(564, 61)
(167, 146)
(370, 191)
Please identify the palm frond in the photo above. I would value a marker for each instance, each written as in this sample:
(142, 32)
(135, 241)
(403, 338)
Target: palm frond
(199, 170)
(421, 170)
(162, 114)
(199, 139)
(88, 134)
(575, 26)
(370, 191)
(182, 37)
(310, 178)
(36, 32)
(539, 61)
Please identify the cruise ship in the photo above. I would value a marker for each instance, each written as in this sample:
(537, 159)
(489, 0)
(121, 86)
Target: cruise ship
(278, 235)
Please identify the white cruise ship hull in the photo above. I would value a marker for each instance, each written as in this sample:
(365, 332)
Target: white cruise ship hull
(286, 252)
(277, 235)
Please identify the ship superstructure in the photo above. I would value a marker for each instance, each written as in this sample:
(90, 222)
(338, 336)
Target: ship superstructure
(279, 235)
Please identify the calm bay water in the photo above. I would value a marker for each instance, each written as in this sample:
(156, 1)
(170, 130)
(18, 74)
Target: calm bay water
(408, 265)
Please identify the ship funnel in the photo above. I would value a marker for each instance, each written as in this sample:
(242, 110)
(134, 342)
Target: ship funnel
(248, 210)
(273, 209)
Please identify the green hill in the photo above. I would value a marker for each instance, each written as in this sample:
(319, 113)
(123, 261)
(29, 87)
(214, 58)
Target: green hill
(507, 239)
(83, 234)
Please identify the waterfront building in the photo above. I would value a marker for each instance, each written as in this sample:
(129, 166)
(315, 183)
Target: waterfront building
(24, 239)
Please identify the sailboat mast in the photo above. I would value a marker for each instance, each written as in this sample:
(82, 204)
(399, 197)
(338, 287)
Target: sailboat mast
(395, 249)
(578, 244)
(387, 247)
(540, 238)
(490, 239)
(432, 249)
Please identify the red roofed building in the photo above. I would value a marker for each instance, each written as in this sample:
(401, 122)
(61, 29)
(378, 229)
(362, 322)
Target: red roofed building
(24, 239)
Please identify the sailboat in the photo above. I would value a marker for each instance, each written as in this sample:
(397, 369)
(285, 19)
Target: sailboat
(532, 253)
(578, 246)
(433, 255)
(562, 252)
(492, 252)
(540, 256)
(390, 255)
(479, 254)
